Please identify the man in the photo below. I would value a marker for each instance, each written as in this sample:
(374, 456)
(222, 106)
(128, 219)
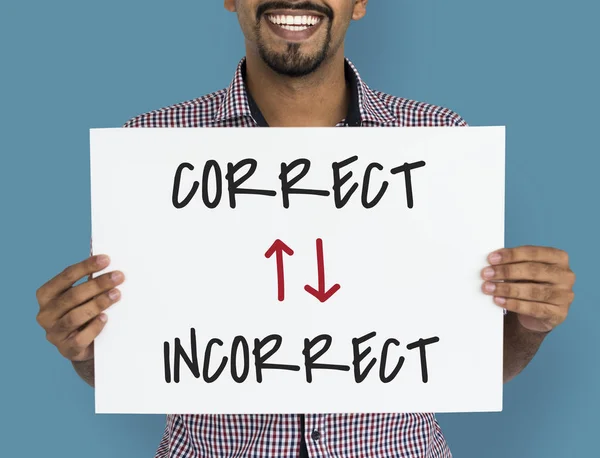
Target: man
(295, 74)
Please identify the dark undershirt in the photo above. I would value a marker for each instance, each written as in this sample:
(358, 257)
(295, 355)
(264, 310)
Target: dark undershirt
(352, 119)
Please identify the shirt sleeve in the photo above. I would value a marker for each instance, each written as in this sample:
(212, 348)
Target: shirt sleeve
(455, 120)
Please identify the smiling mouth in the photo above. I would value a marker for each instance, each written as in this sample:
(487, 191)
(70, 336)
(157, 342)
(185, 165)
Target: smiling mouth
(294, 22)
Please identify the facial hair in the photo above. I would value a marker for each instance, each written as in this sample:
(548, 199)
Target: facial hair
(292, 62)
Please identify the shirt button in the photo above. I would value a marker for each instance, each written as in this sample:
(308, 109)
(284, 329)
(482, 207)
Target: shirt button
(316, 435)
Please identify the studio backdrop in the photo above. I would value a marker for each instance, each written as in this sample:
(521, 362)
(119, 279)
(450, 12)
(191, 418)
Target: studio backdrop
(68, 66)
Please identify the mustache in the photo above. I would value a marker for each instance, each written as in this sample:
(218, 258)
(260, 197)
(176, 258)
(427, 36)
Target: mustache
(283, 5)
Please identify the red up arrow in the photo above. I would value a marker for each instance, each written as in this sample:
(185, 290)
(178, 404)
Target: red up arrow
(279, 247)
(321, 294)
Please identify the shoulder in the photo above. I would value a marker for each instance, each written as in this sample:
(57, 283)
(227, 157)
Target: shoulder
(413, 113)
(198, 112)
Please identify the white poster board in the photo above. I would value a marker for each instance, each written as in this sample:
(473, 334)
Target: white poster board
(385, 272)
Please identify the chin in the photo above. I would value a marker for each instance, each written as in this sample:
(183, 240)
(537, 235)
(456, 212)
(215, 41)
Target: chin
(293, 62)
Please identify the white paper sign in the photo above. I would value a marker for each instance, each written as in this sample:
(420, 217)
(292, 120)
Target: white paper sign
(299, 270)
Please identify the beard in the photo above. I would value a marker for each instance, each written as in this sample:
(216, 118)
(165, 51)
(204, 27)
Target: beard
(293, 62)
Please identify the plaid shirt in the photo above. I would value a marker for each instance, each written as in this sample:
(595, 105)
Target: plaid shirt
(285, 436)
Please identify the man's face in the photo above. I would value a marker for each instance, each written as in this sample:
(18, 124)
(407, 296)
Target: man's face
(295, 37)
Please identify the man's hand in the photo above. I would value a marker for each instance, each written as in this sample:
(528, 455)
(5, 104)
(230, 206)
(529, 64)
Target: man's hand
(72, 315)
(536, 283)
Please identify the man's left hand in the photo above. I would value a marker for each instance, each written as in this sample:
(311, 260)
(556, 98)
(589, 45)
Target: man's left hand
(534, 282)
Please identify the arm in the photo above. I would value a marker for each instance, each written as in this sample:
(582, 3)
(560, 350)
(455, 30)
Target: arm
(520, 346)
(73, 316)
(535, 286)
(85, 369)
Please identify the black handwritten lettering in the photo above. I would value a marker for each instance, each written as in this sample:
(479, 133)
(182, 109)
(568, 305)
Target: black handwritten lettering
(167, 361)
(338, 182)
(421, 344)
(234, 185)
(237, 341)
(212, 165)
(206, 366)
(212, 180)
(177, 184)
(192, 363)
(309, 360)
(264, 350)
(287, 185)
(259, 359)
(365, 190)
(359, 356)
(384, 355)
(406, 168)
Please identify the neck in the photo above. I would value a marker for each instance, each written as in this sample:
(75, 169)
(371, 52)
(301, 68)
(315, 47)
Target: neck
(315, 100)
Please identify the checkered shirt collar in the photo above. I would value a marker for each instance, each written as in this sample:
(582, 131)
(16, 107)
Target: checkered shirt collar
(371, 109)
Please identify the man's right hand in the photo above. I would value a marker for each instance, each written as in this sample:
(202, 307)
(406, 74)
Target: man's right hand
(72, 315)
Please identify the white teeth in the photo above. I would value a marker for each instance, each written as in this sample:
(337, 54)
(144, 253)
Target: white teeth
(294, 21)
(294, 28)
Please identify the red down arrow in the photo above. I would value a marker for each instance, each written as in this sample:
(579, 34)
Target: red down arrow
(321, 293)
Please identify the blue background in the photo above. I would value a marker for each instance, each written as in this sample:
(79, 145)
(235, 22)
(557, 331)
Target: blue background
(67, 66)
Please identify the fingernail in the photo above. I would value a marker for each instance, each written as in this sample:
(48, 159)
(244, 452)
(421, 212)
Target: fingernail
(113, 294)
(488, 272)
(495, 258)
(116, 276)
(102, 260)
(489, 287)
(500, 300)
(103, 318)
